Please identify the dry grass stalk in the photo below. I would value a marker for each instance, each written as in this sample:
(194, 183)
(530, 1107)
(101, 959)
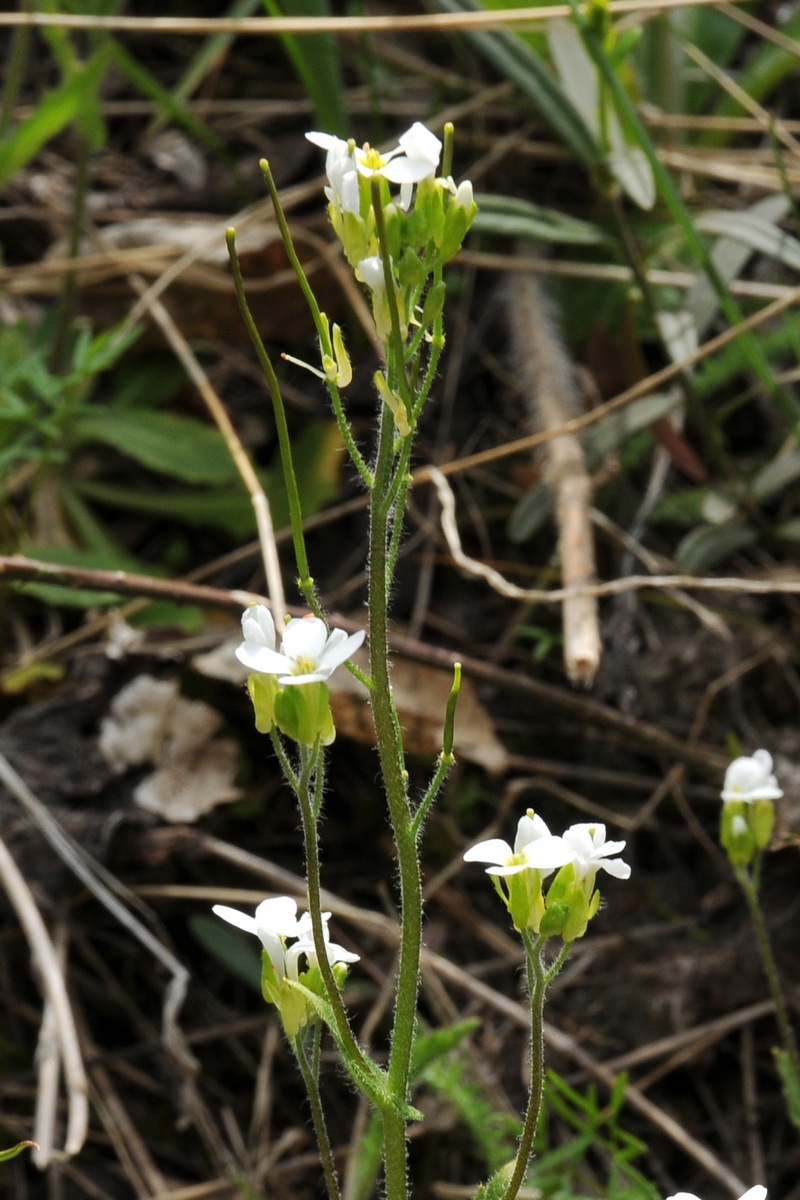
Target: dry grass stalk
(51, 979)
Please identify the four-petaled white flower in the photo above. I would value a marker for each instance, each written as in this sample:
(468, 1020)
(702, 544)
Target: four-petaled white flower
(340, 167)
(750, 778)
(589, 852)
(275, 920)
(535, 848)
(308, 653)
(759, 1192)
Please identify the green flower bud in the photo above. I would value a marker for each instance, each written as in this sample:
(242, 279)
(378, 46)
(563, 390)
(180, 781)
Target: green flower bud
(263, 689)
(410, 271)
(304, 714)
(434, 302)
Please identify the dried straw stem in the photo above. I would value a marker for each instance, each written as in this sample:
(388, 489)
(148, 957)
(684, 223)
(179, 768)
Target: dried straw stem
(51, 978)
(551, 393)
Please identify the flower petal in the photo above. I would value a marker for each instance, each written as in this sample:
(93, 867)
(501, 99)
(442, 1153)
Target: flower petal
(615, 867)
(514, 869)
(258, 627)
(529, 829)
(304, 637)
(545, 854)
(495, 850)
(339, 649)
(419, 142)
(407, 170)
(263, 660)
(234, 917)
(324, 140)
(278, 913)
(299, 680)
(609, 848)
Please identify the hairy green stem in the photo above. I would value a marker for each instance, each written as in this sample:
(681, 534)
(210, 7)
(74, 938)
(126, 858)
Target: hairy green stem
(318, 1117)
(536, 989)
(770, 969)
(306, 804)
(391, 297)
(394, 776)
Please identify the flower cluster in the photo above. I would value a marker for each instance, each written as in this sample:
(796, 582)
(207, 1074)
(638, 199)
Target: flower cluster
(274, 922)
(748, 811)
(420, 236)
(571, 900)
(287, 686)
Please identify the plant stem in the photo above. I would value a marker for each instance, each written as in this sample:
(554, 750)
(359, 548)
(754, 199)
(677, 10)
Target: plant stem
(391, 298)
(66, 302)
(15, 67)
(318, 1117)
(394, 776)
(770, 969)
(306, 804)
(536, 988)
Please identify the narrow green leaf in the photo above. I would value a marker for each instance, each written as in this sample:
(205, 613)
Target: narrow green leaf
(315, 57)
(506, 216)
(753, 231)
(708, 545)
(176, 446)
(58, 109)
(238, 956)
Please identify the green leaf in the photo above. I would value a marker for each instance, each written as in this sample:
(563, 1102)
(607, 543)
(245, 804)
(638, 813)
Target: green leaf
(147, 382)
(506, 216)
(238, 956)
(527, 70)
(708, 545)
(365, 1161)
(316, 59)
(776, 476)
(428, 1047)
(177, 446)
(790, 1082)
(59, 595)
(58, 109)
(754, 231)
(5, 1155)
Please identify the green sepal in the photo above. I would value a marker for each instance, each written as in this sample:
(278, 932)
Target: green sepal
(739, 845)
(410, 271)
(303, 713)
(394, 231)
(270, 984)
(430, 208)
(294, 1010)
(262, 690)
(354, 236)
(525, 900)
(761, 819)
(456, 223)
(497, 1186)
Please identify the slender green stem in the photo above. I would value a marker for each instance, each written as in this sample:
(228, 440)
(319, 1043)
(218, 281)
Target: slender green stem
(318, 1117)
(292, 492)
(447, 149)
(66, 302)
(315, 911)
(292, 777)
(394, 776)
(443, 765)
(536, 989)
(770, 969)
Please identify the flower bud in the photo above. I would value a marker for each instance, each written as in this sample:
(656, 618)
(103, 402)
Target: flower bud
(394, 402)
(735, 834)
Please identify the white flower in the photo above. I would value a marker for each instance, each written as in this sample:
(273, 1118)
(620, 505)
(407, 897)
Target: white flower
(759, 1192)
(371, 272)
(534, 849)
(340, 167)
(415, 159)
(275, 920)
(750, 779)
(308, 654)
(336, 954)
(589, 852)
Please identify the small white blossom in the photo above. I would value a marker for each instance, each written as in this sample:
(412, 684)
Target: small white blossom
(759, 1192)
(750, 778)
(308, 653)
(274, 921)
(336, 954)
(590, 852)
(371, 272)
(415, 159)
(340, 167)
(534, 849)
